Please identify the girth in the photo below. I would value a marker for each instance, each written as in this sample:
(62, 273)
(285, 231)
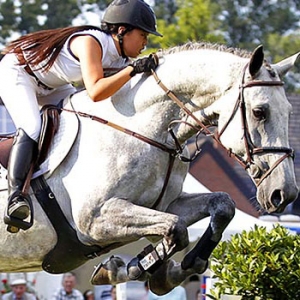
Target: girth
(68, 253)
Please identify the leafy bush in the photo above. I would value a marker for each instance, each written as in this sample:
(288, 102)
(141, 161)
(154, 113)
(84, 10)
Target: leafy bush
(258, 263)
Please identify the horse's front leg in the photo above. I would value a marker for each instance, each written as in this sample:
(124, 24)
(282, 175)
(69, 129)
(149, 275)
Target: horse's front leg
(221, 209)
(192, 208)
(121, 222)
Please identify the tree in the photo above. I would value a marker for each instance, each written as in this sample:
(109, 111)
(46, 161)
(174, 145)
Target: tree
(7, 19)
(28, 16)
(196, 20)
(165, 10)
(247, 23)
(23, 16)
(279, 47)
(101, 4)
(193, 21)
(59, 13)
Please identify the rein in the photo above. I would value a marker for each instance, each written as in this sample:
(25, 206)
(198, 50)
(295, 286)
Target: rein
(251, 149)
(173, 153)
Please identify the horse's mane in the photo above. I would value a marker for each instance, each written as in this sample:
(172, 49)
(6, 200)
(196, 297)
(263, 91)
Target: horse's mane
(209, 46)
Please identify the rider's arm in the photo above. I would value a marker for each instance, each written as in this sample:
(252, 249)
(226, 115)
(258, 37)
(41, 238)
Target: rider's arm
(89, 53)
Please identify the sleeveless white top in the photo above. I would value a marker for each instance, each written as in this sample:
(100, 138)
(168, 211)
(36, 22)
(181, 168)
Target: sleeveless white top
(66, 68)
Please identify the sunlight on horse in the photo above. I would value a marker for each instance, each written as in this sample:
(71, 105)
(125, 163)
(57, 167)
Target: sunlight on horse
(114, 187)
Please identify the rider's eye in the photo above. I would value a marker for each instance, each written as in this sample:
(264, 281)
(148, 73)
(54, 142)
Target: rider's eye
(259, 113)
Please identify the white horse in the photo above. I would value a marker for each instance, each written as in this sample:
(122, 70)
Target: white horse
(122, 178)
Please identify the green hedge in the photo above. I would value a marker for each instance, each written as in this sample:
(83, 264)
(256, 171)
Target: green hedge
(258, 263)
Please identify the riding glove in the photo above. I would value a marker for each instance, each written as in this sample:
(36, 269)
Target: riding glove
(145, 64)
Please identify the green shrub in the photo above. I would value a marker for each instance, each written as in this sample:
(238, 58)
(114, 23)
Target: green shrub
(258, 263)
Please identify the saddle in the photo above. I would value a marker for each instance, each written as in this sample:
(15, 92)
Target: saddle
(68, 253)
(50, 124)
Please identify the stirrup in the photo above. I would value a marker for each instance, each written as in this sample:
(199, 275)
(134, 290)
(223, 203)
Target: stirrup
(19, 209)
(14, 223)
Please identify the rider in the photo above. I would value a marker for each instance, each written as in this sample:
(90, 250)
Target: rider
(39, 68)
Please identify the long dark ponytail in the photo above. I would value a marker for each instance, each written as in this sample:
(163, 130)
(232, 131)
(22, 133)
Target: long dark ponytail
(42, 45)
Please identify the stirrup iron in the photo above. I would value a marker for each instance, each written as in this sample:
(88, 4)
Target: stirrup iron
(15, 224)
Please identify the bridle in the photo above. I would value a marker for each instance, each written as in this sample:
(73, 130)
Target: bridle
(251, 149)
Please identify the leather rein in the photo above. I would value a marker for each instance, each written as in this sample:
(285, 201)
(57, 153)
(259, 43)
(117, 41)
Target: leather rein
(173, 153)
(251, 149)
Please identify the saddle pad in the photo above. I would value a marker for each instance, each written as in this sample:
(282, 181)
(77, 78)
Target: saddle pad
(62, 142)
(3, 180)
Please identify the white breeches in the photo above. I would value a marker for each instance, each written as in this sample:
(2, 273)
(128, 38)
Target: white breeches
(23, 98)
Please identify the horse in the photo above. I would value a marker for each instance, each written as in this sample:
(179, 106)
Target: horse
(116, 167)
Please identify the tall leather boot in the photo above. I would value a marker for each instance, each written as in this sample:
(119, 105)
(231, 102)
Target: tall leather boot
(21, 157)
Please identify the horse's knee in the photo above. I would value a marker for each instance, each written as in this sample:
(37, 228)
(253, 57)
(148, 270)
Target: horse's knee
(226, 207)
(221, 215)
(178, 235)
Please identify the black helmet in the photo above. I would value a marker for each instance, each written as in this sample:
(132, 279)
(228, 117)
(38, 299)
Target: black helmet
(136, 13)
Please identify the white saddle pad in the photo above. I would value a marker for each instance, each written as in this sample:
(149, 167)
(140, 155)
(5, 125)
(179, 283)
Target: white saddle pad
(60, 147)
(62, 142)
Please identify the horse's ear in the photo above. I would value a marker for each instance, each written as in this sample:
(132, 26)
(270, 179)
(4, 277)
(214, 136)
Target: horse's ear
(256, 60)
(285, 65)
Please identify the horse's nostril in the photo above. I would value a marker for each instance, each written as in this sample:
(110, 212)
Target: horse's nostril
(276, 198)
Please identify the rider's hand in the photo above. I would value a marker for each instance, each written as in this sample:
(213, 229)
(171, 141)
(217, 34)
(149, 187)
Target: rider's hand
(145, 64)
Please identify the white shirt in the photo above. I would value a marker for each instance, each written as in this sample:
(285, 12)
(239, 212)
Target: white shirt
(62, 295)
(66, 68)
(11, 296)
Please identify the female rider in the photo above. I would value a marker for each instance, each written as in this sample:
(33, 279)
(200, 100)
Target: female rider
(39, 68)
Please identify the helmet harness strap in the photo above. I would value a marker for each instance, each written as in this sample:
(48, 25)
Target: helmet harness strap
(120, 38)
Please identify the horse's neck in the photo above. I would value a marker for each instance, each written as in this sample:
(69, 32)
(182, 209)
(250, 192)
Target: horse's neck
(200, 76)
(197, 78)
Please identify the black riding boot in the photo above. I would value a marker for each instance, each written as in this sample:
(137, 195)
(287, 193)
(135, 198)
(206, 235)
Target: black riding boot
(21, 157)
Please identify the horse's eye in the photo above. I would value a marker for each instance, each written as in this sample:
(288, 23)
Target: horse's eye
(259, 113)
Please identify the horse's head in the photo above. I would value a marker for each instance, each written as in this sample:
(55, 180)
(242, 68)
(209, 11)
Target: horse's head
(255, 131)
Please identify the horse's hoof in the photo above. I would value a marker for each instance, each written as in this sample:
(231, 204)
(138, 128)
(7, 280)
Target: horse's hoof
(158, 282)
(100, 275)
(133, 270)
(111, 272)
(200, 265)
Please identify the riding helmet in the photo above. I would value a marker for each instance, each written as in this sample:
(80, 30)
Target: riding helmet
(136, 13)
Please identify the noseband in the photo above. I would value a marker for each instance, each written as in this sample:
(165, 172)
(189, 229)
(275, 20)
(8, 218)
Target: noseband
(251, 149)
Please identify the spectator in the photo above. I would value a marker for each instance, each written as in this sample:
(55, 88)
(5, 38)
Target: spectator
(146, 286)
(113, 293)
(178, 293)
(88, 295)
(18, 292)
(68, 291)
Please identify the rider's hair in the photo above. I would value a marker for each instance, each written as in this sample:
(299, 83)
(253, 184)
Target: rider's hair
(43, 45)
(113, 28)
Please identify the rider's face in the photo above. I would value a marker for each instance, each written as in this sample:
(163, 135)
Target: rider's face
(135, 42)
